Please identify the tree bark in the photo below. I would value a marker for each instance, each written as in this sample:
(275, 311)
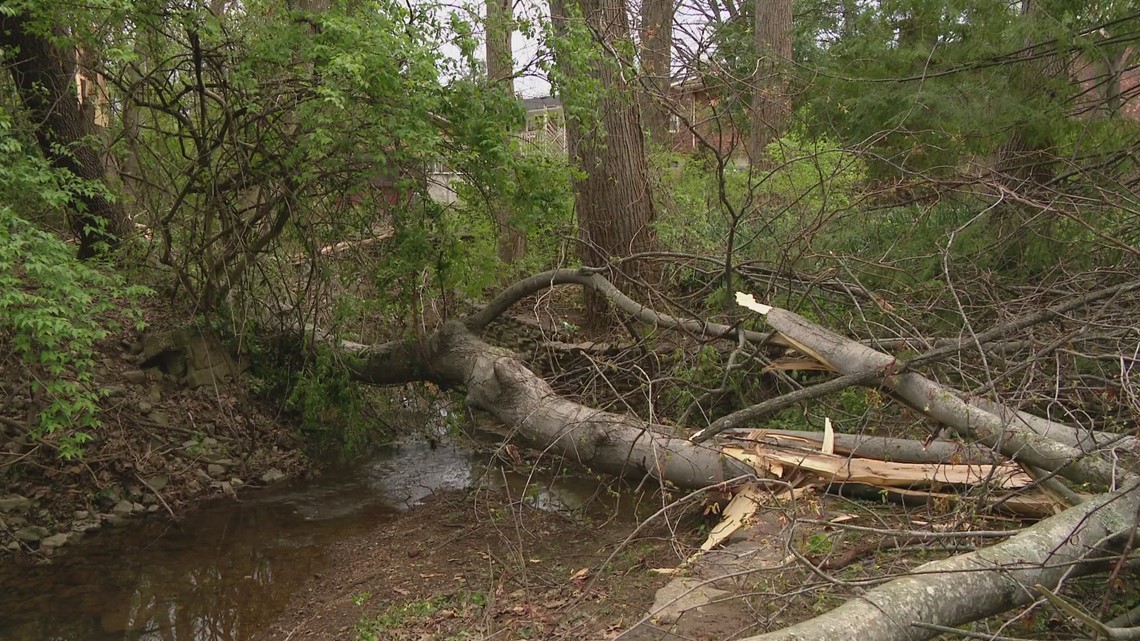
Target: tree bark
(1010, 437)
(501, 74)
(612, 197)
(656, 67)
(495, 381)
(972, 586)
(43, 73)
(771, 102)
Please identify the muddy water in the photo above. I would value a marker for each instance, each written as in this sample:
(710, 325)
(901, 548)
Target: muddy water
(227, 570)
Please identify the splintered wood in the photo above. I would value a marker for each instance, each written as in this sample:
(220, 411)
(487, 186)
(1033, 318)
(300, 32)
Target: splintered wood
(834, 468)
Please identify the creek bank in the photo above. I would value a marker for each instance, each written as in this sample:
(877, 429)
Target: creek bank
(178, 427)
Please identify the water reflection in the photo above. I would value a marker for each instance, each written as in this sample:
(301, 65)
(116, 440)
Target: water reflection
(226, 571)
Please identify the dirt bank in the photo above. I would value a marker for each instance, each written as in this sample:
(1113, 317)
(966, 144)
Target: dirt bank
(171, 436)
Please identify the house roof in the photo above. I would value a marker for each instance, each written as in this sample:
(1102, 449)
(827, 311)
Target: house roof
(542, 102)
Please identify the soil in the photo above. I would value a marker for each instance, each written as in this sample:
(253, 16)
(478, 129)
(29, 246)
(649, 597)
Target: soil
(482, 566)
(162, 447)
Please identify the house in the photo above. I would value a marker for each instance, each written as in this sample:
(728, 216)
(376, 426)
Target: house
(545, 126)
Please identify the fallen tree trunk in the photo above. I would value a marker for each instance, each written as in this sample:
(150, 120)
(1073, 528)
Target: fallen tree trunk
(495, 381)
(1010, 437)
(990, 581)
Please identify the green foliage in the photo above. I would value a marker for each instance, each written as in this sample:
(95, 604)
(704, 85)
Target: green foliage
(53, 308)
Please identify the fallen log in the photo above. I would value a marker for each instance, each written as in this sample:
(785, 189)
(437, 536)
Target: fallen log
(1010, 437)
(495, 381)
(965, 588)
(883, 448)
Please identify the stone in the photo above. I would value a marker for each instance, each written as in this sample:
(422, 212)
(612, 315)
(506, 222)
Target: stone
(82, 514)
(215, 470)
(162, 419)
(114, 520)
(680, 596)
(226, 462)
(272, 476)
(157, 482)
(108, 497)
(15, 504)
(31, 534)
(152, 508)
(236, 482)
(13, 547)
(138, 507)
(210, 442)
(203, 475)
(149, 499)
(55, 540)
(85, 526)
(123, 508)
(144, 407)
(115, 391)
(135, 376)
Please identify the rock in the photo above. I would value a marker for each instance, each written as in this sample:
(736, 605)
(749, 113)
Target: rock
(114, 520)
(81, 514)
(85, 526)
(215, 470)
(55, 540)
(31, 534)
(149, 499)
(155, 395)
(123, 508)
(144, 407)
(272, 476)
(15, 504)
(135, 376)
(152, 508)
(13, 547)
(138, 507)
(158, 482)
(162, 419)
(108, 497)
(203, 476)
(226, 462)
(189, 443)
(680, 596)
(236, 482)
(115, 391)
(209, 442)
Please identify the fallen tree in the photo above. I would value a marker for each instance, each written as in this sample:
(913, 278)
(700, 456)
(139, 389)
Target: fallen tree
(949, 592)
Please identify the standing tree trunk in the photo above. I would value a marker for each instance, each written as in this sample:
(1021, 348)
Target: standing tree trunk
(612, 196)
(501, 75)
(771, 102)
(656, 67)
(43, 73)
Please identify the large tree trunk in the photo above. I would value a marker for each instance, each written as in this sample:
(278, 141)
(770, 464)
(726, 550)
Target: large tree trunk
(1086, 538)
(495, 381)
(656, 65)
(612, 196)
(501, 74)
(43, 74)
(972, 586)
(771, 102)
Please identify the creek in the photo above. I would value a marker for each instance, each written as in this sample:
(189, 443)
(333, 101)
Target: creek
(229, 568)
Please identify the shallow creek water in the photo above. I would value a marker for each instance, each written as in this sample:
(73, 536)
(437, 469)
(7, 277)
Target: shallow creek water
(227, 570)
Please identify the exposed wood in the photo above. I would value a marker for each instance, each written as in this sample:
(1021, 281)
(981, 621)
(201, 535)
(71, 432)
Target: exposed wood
(879, 447)
(834, 468)
(945, 406)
